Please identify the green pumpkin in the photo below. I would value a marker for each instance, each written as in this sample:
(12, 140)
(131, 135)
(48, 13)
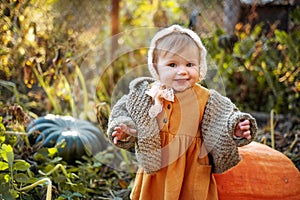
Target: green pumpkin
(81, 137)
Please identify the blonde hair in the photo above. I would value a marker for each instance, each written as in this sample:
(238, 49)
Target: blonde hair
(173, 43)
(174, 39)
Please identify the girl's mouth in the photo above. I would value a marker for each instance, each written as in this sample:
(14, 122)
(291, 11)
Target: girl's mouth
(181, 81)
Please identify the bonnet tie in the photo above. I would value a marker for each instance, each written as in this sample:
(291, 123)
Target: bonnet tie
(159, 92)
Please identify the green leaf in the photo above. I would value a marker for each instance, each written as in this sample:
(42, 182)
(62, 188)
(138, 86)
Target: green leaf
(48, 168)
(2, 138)
(21, 165)
(66, 194)
(7, 195)
(3, 166)
(2, 128)
(56, 159)
(39, 157)
(14, 193)
(7, 154)
(32, 180)
(52, 152)
(281, 36)
(21, 178)
(77, 194)
(60, 179)
(7, 177)
(42, 154)
(4, 187)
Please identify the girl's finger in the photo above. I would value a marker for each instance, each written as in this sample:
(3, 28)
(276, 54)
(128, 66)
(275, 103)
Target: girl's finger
(124, 128)
(245, 127)
(115, 140)
(247, 135)
(117, 128)
(245, 122)
(114, 133)
(133, 131)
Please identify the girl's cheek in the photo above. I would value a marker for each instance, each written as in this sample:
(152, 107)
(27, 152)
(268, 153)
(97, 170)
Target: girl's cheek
(196, 68)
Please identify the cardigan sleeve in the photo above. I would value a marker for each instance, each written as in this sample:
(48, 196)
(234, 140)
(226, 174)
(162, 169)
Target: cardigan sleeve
(237, 117)
(219, 121)
(119, 114)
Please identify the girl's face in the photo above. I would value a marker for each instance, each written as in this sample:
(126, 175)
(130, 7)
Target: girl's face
(179, 71)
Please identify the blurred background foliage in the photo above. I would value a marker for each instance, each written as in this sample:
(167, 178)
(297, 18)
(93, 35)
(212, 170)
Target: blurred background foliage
(77, 57)
(261, 72)
(56, 55)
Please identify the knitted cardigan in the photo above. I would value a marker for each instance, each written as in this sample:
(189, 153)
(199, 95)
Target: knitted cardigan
(218, 124)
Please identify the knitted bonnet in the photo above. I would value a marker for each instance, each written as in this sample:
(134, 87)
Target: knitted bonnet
(167, 31)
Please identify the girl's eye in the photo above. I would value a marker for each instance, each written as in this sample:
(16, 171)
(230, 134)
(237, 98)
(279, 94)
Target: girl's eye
(172, 65)
(190, 65)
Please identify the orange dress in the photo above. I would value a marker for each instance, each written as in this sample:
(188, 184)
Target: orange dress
(186, 171)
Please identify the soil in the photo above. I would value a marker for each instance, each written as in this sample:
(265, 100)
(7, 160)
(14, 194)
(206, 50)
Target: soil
(286, 129)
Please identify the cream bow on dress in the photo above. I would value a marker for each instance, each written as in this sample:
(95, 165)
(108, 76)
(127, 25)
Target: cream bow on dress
(158, 92)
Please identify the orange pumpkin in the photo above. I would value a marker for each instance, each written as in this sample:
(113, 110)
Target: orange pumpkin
(263, 173)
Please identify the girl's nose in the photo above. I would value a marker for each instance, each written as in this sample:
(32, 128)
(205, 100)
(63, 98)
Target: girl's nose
(182, 70)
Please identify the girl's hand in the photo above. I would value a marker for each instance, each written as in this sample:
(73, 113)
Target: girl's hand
(242, 130)
(121, 132)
